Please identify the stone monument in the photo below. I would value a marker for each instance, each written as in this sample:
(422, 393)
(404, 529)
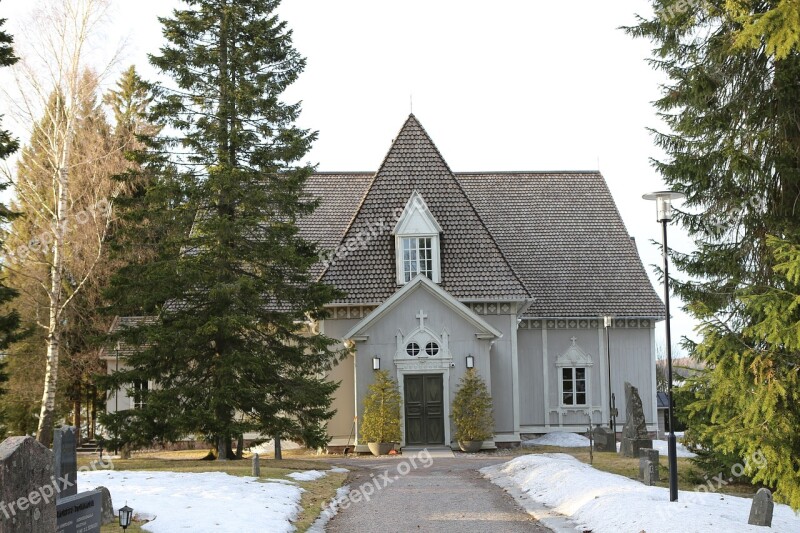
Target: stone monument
(761, 510)
(66, 465)
(648, 466)
(27, 491)
(634, 434)
(76, 512)
(604, 440)
(256, 466)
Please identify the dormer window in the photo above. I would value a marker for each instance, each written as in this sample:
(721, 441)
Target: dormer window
(417, 242)
(417, 257)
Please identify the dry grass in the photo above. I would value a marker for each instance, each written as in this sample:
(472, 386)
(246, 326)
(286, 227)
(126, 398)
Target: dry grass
(316, 493)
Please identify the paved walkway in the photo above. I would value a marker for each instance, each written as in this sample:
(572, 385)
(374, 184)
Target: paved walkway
(447, 495)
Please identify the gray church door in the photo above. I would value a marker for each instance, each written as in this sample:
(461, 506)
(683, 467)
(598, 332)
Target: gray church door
(424, 403)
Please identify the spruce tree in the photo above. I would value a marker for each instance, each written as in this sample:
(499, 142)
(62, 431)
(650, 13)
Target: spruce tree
(227, 276)
(732, 145)
(382, 411)
(9, 320)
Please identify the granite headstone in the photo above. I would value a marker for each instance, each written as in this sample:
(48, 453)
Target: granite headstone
(761, 509)
(603, 440)
(80, 513)
(648, 466)
(27, 490)
(66, 456)
(256, 466)
(634, 434)
(108, 506)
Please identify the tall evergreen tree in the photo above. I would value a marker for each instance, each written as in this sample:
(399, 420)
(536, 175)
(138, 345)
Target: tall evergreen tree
(228, 278)
(732, 107)
(9, 321)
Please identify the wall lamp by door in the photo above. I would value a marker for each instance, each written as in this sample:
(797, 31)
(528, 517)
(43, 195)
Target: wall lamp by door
(376, 363)
(470, 361)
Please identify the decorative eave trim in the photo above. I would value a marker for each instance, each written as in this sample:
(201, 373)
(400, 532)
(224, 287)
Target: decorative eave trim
(585, 323)
(487, 329)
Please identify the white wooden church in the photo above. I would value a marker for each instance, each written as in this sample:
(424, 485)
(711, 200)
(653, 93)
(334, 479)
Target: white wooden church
(510, 272)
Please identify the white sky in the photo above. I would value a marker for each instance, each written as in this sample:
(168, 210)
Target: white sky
(502, 85)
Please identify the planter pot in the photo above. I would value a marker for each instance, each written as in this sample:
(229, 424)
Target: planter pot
(470, 446)
(380, 448)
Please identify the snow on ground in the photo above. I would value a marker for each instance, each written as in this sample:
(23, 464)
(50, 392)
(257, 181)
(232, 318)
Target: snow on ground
(339, 470)
(604, 502)
(307, 475)
(200, 502)
(562, 439)
(680, 449)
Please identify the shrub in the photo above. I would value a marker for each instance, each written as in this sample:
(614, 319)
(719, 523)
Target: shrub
(472, 409)
(381, 422)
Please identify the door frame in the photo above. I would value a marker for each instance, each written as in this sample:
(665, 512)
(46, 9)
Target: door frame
(401, 380)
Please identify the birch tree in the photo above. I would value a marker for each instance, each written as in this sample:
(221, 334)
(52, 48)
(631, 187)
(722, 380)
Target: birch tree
(51, 84)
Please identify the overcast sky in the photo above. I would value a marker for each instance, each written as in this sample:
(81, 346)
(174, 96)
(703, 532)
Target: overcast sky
(502, 85)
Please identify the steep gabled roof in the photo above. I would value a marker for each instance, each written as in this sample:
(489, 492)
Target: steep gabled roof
(472, 265)
(564, 236)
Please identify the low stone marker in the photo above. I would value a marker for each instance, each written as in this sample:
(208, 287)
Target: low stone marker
(761, 510)
(634, 434)
(256, 466)
(604, 440)
(80, 513)
(66, 456)
(108, 507)
(27, 487)
(648, 466)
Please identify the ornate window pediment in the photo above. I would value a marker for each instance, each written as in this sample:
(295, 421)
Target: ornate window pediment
(574, 356)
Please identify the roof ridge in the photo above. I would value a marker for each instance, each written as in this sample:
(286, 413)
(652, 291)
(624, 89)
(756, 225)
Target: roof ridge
(474, 210)
(412, 127)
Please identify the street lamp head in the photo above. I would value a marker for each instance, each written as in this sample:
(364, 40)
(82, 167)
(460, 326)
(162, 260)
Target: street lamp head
(663, 201)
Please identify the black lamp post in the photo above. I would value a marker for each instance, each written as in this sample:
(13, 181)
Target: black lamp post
(125, 515)
(612, 410)
(663, 201)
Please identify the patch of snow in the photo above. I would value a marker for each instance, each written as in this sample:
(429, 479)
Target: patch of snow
(200, 502)
(604, 502)
(561, 439)
(339, 470)
(307, 475)
(680, 449)
(330, 510)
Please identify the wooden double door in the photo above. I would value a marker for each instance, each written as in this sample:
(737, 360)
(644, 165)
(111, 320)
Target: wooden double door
(424, 406)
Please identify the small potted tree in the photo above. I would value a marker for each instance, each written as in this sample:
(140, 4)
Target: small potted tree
(380, 425)
(472, 412)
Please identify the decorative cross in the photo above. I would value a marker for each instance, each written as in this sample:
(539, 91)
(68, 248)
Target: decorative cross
(422, 316)
(573, 339)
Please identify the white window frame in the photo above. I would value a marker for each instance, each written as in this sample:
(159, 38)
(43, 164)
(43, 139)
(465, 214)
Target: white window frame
(586, 380)
(417, 222)
(401, 264)
(139, 386)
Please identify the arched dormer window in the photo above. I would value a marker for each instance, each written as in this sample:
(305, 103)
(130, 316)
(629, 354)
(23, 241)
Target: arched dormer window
(574, 367)
(417, 242)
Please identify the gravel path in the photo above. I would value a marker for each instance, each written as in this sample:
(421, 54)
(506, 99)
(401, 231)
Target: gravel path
(449, 495)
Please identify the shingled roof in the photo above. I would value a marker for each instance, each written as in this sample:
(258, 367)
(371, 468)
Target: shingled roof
(473, 266)
(554, 237)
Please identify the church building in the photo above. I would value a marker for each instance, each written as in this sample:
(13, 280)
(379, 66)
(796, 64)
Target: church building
(513, 273)
(529, 277)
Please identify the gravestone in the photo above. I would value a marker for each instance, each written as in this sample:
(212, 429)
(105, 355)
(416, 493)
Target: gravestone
(761, 510)
(80, 513)
(648, 466)
(66, 466)
(634, 434)
(27, 490)
(256, 466)
(107, 507)
(604, 440)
